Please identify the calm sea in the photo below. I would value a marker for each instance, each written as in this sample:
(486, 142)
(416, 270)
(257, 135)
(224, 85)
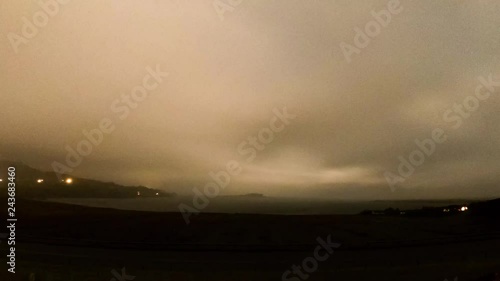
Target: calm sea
(250, 205)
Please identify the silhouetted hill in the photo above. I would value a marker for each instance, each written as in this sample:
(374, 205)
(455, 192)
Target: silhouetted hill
(488, 208)
(29, 184)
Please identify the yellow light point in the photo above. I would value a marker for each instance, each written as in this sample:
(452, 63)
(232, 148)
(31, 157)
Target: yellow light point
(69, 181)
(138, 193)
(157, 193)
(39, 180)
(1, 180)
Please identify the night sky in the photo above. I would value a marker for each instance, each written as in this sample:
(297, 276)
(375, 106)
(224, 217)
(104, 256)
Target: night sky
(229, 75)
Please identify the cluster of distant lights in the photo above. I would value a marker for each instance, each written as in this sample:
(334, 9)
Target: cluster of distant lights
(462, 209)
(70, 181)
(67, 181)
(139, 193)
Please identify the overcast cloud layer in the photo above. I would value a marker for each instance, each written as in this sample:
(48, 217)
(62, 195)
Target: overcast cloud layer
(353, 120)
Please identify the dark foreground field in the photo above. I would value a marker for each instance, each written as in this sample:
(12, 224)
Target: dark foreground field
(67, 242)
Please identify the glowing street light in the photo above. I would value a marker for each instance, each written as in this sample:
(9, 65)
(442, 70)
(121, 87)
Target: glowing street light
(69, 181)
(39, 180)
